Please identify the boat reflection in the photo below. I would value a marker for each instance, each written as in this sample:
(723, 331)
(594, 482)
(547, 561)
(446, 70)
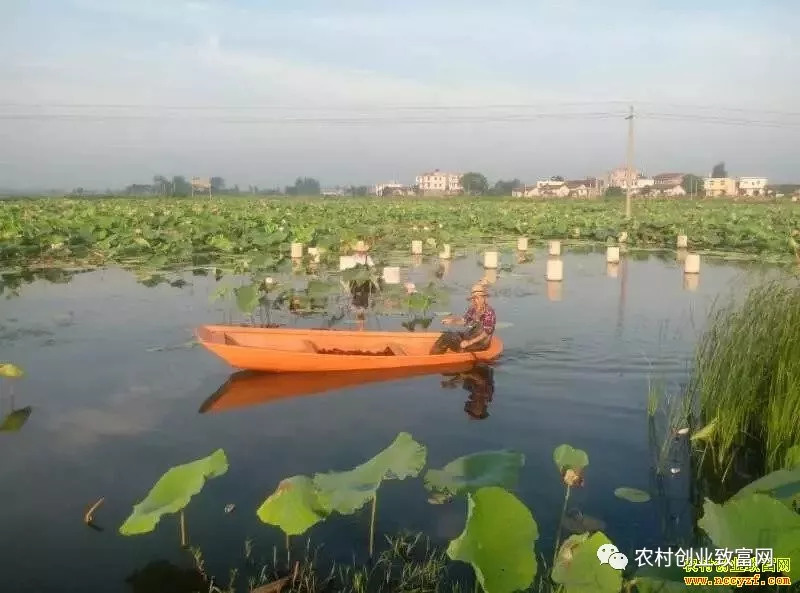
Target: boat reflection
(250, 388)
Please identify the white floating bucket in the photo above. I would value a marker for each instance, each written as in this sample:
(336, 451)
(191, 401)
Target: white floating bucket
(555, 270)
(692, 264)
(391, 275)
(490, 260)
(297, 250)
(612, 255)
(554, 248)
(314, 253)
(445, 254)
(522, 244)
(682, 242)
(416, 247)
(346, 262)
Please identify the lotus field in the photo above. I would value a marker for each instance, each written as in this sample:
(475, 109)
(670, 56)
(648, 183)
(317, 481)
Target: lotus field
(160, 232)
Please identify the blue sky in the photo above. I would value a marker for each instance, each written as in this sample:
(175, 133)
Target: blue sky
(287, 60)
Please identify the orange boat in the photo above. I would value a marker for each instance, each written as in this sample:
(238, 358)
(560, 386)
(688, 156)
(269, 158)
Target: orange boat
(249, 388)
(322, 350)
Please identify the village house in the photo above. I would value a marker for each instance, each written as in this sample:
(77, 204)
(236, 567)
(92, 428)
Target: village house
(670, 179)
(668, 190)
(393, 188)
(752, 186)
(583, 188)
(439, 183)
(720, 186)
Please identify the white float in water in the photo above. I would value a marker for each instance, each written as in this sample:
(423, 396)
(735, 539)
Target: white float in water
(391, 275)
(682, 242)
(490, 260)
(554, 248)
(297, 250)
(445, 254)
(416, 247)
(692, 263)
(612, 255)
(314, 252)
(522, 244)
(555, 270)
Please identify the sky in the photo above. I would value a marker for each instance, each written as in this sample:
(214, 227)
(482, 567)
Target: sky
(99, 93)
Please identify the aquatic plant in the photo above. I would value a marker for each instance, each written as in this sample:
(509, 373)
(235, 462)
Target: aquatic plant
(172, 493)
(16, 418)
(746, 381)
(472, 472)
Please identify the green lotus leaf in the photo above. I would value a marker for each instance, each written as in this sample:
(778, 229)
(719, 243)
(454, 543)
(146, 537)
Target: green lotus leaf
(472, 472)
(15, 420)
(755, 521)
(568, 457)
(632, 494)
(294, 506)
(498, 541)
(579, 570)
(10, 371)
(783, 484)
(247, 297)
(173, 491)
(347, 491)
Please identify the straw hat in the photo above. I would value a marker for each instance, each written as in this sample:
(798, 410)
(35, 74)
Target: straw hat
(361, 246)
(478, 289)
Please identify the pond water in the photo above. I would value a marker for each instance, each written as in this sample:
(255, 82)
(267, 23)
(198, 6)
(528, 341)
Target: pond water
(116, 398)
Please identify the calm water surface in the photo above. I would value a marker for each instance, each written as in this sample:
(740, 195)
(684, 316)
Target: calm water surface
(116, 402)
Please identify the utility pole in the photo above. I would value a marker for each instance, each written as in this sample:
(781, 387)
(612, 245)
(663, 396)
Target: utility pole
(629, 188)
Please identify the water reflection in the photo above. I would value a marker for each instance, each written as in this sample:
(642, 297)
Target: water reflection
(249, 388)
(555, 290)
(162, 575)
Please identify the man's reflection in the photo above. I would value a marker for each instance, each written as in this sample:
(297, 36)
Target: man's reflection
(479, 382)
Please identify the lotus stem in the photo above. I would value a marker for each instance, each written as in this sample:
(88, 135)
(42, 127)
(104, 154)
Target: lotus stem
(184, 541)
(89, 516)
(288, 552)
(560, 524)
(372, 524)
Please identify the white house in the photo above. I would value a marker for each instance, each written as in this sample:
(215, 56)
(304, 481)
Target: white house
(752, 186)
(439, 182)
(394, 188)
(720, 186)
(671, 190)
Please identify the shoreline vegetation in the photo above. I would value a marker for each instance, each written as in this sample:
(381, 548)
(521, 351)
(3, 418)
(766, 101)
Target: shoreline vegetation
(171, 231)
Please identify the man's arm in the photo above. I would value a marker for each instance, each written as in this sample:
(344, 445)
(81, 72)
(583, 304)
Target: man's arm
(481, 336)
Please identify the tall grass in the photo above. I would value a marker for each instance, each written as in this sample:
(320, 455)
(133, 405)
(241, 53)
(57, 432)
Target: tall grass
(747, 379)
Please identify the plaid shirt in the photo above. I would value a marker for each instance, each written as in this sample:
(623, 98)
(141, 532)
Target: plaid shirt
(487, 319)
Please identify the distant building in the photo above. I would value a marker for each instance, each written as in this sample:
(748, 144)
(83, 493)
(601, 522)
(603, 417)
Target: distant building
(583, 188)
(393, 189)
(549, 188)
(720, 186)
(526, 191)
(752, 186)
(439, 182)
(671, 179)
(337, 191)
(619, 177)
(670, 190)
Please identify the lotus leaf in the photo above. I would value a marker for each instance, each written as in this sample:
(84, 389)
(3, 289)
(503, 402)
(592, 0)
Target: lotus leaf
(755, 521)
(10, 371)
(294, 506)
(783, 484)
(15, 420)
(173, 491)
(578, 569)
(472, 472)
(347, 491)
(632, 494)
(567, 457)
(498, 541)
(247, 297)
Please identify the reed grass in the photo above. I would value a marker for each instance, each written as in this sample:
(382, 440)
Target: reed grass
(747, 379)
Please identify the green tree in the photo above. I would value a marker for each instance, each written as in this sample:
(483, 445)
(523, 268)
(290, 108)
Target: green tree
(504, 188)
(474, 184)
(180, 187)
(614, 192)
(692, 185)
(719, 171)
(557, 178)
(304, 186)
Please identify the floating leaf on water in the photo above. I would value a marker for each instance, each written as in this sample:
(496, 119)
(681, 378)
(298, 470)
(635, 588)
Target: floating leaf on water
(632, 494)
(498, 541)
(294, 507)
(10, 371)
(472, 472)
(568, 457)
(783, 484)
(347, 491)
(173, 491)
(247, 297)
(755, 521)
(578, 569)
(16, 420)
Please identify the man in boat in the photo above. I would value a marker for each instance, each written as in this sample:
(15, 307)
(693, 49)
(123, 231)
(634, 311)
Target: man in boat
(479, 321)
